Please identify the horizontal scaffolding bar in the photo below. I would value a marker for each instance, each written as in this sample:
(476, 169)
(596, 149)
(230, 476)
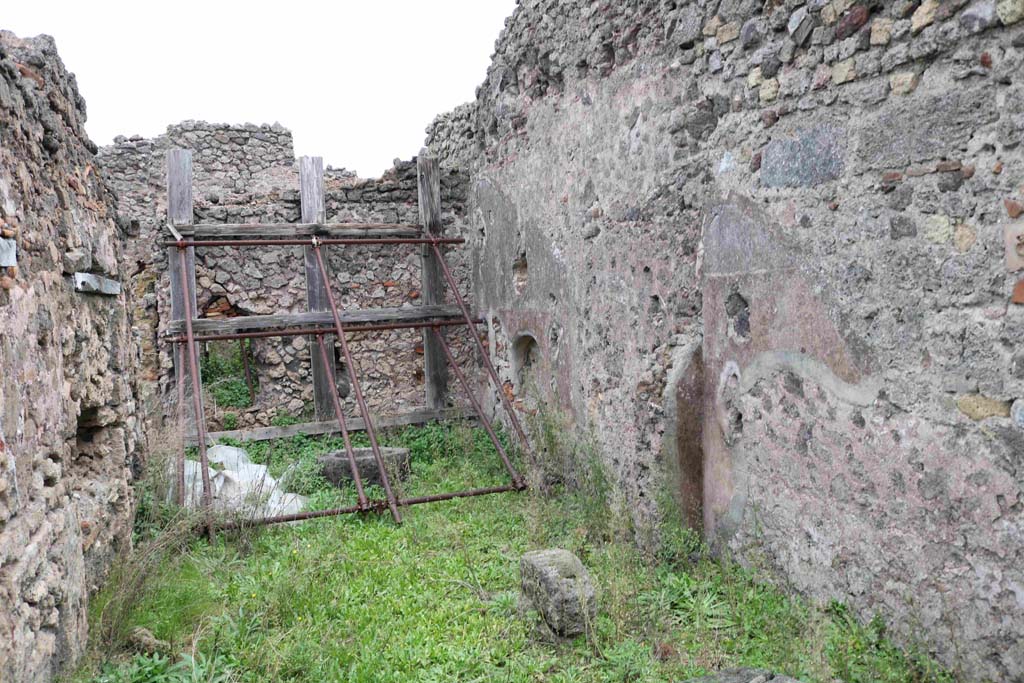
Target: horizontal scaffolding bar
(303, 331)
(457, 494)
(366, 316)
(223, 230)
(355, 424)
(378, 505)
(182, 244)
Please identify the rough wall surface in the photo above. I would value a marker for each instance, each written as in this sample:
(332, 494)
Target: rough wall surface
(761, 246)
(248, 174)
(67, 426)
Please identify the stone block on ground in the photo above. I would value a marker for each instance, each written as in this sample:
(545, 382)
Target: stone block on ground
(743, 676)
(556, 584)
(336, 468)
(143, 640)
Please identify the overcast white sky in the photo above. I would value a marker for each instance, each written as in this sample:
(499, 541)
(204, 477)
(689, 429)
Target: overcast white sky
(357, 81)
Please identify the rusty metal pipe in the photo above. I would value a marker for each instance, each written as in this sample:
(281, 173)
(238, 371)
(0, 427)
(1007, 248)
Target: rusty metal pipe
(197, 393)
(457, 494)
(304, 331)
(180, 465)
(350, 241)
(517, 481)
(296, 517)
(340, 414)
(376, 504)
(354, 378)
(483, 351)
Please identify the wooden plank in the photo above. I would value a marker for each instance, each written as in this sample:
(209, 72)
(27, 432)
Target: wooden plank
(179, 187)
(314, 210)
(413, 417)
(256, 323)
(218, 231)
(179, 213)
(435, 368)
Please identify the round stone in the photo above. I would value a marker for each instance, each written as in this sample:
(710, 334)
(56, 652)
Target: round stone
(1017, 412)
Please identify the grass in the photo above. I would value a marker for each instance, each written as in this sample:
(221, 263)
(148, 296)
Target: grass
(359, 599)
(224, 375)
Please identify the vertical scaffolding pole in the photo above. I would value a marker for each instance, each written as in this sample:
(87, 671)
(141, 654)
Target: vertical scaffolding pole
(182, 272)
(197, 400)
(180, 464)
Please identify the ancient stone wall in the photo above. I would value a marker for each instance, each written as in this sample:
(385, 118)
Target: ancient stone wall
(68, 430)
(760, 247)
(248, 174)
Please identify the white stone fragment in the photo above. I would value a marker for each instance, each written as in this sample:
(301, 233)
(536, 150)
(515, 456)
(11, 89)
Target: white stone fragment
(8, 252)
(87, 283)
(241, 487)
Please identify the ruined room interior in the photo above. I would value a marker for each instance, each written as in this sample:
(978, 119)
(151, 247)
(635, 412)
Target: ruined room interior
(690, 349)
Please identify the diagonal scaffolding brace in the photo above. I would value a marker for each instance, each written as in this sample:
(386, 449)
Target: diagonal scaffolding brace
(356, 389)
(197, 398)
(340, 415)
(484, 355)
(517, 480)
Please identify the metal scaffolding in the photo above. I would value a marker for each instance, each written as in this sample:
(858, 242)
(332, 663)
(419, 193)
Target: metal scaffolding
(324, 320)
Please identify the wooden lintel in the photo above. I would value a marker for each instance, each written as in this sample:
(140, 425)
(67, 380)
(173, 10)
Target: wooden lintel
(217, 231)
(256, 323)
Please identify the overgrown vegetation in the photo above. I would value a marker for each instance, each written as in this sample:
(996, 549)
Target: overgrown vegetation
(224, 374)
(357, 598)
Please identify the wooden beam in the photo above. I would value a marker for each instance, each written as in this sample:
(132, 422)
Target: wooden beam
(256, 323)
(435, 368)
(217, 231)
(314, 211)
(413, 417)
(179, 213)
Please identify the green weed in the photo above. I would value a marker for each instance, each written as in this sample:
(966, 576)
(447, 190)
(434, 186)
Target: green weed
(356, 598)
(224, 374)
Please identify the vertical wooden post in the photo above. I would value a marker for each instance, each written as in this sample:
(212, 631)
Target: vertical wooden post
(435, 368)
(179, 212)
(314, 210)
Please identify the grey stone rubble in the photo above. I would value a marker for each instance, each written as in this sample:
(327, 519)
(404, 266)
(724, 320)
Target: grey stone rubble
(556, 584)
(239, 487)
(143, 640)
(742, 676)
